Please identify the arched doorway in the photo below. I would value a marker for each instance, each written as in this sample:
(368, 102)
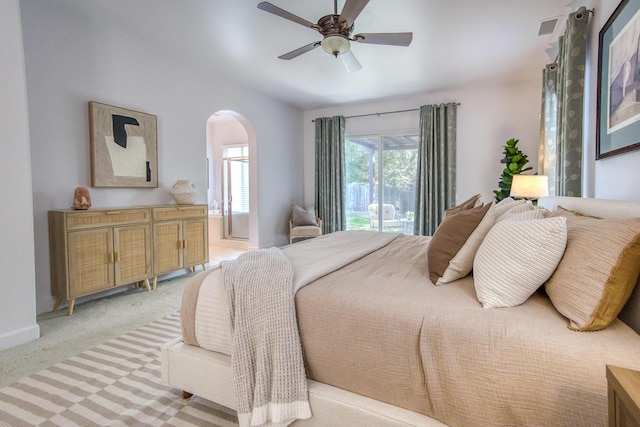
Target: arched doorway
(232, 184)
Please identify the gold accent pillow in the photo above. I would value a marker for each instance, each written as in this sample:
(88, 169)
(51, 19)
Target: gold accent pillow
(598, 271)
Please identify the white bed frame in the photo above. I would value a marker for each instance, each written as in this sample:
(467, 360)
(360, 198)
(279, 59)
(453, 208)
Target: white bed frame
(208, 374)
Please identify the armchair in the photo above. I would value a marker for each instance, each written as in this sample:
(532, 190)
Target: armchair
(304, 224)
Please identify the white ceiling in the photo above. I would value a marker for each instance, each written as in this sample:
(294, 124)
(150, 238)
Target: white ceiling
(455, 43)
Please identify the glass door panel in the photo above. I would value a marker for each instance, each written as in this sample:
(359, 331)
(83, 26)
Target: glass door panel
(235, 191)
(380, 196)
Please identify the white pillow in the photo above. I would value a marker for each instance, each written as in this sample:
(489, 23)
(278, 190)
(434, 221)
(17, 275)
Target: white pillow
(516, 258)
(522, 216)
(505, 205)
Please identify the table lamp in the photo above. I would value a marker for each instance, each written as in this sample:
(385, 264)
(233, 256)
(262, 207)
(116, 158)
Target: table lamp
(529, 186)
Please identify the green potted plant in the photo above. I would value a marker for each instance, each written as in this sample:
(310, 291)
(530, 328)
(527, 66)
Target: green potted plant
(515, 161)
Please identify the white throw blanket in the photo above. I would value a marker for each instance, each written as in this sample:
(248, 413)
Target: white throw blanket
(266, 356)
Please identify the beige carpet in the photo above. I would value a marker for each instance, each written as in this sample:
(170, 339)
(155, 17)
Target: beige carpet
(114, 384)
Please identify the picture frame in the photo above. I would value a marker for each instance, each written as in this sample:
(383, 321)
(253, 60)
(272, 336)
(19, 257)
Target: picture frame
(618, 93)
(124, 147)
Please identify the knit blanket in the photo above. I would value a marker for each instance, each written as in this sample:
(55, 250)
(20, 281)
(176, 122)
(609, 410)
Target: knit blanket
(266, 356)
(270, 384)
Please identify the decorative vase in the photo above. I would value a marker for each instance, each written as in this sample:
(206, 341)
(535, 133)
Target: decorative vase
(184, 192)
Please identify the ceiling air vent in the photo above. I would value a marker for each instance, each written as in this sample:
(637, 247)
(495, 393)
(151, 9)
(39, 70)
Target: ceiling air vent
(547, 27)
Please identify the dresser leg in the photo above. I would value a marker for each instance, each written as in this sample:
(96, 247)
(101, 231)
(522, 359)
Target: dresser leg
(57, 304)
(155, 282)
(204, 267)
(146, 283)
(72, 301)
(186, 394)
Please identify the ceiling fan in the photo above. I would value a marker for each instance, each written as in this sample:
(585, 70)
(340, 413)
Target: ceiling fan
(336, 31)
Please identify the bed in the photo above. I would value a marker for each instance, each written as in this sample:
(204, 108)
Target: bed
(384, 346)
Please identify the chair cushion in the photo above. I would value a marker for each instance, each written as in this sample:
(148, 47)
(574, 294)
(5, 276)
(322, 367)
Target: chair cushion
(303, 217)
(305, 231)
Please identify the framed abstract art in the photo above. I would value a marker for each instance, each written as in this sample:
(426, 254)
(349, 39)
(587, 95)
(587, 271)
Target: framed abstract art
(124, 147)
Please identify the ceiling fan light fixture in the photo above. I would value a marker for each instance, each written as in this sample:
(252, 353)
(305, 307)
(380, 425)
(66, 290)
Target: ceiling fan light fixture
(335, 45)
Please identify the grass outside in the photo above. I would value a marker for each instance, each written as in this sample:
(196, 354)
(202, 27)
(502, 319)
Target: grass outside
(355, 222)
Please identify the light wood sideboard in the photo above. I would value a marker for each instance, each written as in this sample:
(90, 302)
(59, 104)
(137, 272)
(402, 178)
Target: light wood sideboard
(180, 238)
(99, 249)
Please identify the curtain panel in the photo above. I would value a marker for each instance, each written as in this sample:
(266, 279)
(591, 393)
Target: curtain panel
(561, 124)
(436, 174)
(329, 178)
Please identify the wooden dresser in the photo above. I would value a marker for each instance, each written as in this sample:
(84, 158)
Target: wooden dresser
(100, 249)
(624, 397)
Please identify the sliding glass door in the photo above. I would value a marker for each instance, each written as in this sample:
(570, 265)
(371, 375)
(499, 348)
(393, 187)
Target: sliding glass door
(235, 190)
(380, 195)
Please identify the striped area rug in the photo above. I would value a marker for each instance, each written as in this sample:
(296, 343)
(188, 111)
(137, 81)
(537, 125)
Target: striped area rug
(114, 384)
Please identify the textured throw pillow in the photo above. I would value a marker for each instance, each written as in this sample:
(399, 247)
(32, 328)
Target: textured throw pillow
(522, 216)
(598, 271)
(450, 236)
(516, 258)
(303, 216)
(506, 205)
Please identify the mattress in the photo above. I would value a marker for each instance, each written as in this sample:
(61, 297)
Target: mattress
(379, 328)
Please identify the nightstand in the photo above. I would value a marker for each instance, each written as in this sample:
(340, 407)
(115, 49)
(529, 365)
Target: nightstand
(624, 396)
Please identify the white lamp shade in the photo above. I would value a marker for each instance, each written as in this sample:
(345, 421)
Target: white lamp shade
(530, 186)
(335, 45)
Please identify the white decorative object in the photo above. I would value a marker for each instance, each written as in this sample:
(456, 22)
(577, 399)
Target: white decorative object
(184, 192)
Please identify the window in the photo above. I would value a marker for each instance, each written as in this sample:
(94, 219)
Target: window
(381, 195)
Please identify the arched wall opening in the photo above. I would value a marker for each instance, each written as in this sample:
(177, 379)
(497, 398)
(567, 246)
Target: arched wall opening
(227, 128)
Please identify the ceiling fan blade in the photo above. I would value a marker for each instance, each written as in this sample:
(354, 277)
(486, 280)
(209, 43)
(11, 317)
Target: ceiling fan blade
(268, 7)
(350, 62)
(299, 51)
(351, 10)
(391, 39)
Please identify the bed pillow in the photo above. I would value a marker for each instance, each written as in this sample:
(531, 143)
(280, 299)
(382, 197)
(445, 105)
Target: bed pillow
(516, 208)
(523, 216)
(462, 262)
(505, 205)
(303, 216)
(516, 258)
(472, 202)
(598, 271)
(451, 235)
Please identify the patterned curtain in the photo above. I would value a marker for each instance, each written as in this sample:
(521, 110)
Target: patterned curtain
(560, 152)
(330, 173)
(436, 177)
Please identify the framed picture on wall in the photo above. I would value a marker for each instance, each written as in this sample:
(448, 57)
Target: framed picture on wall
(618, 96)
(124, 147)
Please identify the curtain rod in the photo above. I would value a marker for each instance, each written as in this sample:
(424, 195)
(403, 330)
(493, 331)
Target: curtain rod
(386, 112)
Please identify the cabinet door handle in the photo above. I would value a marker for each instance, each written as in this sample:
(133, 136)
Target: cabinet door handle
(111, 257)
(184, 244)
(117, 256)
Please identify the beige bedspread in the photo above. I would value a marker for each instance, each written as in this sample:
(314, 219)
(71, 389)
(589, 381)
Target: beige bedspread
(380, 328)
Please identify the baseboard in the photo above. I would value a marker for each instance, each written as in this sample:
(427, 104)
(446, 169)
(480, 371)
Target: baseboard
(19, 337)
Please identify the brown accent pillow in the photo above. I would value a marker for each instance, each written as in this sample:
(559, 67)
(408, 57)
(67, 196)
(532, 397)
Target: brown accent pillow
(598, 271)
(470, 203)
(450, 236)
(303, 217)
